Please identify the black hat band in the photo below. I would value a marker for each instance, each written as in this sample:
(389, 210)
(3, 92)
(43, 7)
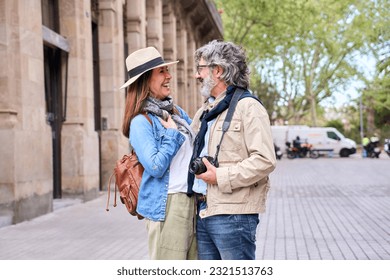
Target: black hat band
(146, 66)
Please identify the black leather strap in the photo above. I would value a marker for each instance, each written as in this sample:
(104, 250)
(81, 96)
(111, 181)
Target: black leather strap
(229, 115)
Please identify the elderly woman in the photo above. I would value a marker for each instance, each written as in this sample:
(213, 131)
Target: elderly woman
(160, 134)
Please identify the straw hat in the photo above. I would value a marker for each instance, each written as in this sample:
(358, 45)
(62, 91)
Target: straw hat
(142, 61)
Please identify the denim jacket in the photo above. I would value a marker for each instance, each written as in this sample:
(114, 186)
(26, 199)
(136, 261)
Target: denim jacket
(155, 147)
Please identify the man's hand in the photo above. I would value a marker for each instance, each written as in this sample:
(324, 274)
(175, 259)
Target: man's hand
(210, 176)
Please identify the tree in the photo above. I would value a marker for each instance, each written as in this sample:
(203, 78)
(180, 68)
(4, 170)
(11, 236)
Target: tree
(306, 49)
(376, 94)
(336, 124)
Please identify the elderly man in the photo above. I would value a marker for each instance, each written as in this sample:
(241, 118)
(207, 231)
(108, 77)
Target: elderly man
(231, 189)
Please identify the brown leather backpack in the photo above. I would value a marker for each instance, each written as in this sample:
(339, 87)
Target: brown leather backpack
(128, 174)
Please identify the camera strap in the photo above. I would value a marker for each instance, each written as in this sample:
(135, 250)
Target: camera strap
(229, 115)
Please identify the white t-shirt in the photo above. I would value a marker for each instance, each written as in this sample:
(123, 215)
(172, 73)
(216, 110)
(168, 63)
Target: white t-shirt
(179, 168)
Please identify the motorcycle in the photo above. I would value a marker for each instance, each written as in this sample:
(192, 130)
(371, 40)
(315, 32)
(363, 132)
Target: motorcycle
(278, 152)
(386, 146)
(302, 151)
(373, 150)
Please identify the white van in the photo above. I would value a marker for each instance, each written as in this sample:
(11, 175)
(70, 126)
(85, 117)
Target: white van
(322, 138)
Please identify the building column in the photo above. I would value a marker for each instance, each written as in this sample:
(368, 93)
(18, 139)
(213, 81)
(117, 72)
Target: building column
(80, 149)
(169, 52)
(154, 34)
(25, 137)
(112, 76)
(182, 77)
(135, 25)
(195, 100)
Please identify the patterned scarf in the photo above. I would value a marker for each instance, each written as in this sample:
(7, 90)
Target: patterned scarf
(164, 108)
(205, 118)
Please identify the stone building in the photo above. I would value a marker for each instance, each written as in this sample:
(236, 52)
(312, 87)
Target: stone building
(62, 62)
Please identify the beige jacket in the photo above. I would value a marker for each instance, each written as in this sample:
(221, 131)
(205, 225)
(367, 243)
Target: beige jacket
(246, 158)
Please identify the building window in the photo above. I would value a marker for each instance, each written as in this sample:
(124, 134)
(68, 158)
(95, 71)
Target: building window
(50, 14)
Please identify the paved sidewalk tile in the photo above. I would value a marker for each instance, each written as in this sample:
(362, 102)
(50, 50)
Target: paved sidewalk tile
(83, 231)
(325, 209)
(328, 209)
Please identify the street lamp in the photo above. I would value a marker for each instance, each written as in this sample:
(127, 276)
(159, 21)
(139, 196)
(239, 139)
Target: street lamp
(361, 124)
(361, 116)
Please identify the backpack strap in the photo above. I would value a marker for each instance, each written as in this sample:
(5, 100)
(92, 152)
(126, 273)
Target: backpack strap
(147, 117)
(109, 191)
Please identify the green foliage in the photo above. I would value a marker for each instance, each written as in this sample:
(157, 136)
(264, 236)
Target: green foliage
(336, 124)
(304, 51)
(353, 131)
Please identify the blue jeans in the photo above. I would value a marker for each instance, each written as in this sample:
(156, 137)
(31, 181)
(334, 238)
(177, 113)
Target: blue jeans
(227, 237)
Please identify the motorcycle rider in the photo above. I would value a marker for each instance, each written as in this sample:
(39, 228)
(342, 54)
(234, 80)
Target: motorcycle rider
(365, 143)
(374, 139)
(386, 146)
(373, 149)
(278, 152)
(297, 143)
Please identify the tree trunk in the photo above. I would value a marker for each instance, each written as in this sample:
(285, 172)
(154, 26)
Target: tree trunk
(370, 117)
(313, 109)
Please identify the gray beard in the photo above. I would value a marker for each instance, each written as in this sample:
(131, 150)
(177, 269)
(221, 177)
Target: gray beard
(207, 86)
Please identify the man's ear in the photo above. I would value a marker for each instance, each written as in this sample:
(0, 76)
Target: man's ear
(219, 71)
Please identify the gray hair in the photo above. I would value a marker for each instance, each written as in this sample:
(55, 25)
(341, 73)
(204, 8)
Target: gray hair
(230, 57)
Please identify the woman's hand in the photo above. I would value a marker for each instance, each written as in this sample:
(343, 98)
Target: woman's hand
(169, 123)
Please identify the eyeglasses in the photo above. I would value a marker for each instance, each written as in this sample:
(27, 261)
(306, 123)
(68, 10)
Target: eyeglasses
(198, 67)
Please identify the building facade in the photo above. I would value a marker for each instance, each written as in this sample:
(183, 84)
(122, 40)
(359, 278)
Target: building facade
(62, 62)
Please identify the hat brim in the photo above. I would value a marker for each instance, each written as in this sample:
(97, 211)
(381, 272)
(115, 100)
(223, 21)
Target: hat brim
(133, 79)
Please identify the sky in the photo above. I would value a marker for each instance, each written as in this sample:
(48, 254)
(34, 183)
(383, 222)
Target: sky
(366, 65)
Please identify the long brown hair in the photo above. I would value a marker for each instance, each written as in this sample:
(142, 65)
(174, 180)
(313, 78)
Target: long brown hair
(136, 95)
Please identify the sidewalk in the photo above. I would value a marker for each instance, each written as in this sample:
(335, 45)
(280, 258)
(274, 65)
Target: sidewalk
(317, 209)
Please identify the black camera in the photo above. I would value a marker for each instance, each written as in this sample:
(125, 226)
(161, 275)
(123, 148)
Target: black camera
(197, 166)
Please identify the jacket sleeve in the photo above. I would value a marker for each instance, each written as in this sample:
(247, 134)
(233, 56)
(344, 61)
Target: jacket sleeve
(259, 160)
(155, 158)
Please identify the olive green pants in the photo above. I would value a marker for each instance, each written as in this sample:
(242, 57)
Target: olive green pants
(174, 239)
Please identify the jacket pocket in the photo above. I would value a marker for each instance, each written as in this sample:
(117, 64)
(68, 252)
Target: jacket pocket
(238, 196)
(233, 145)
(232, 140)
